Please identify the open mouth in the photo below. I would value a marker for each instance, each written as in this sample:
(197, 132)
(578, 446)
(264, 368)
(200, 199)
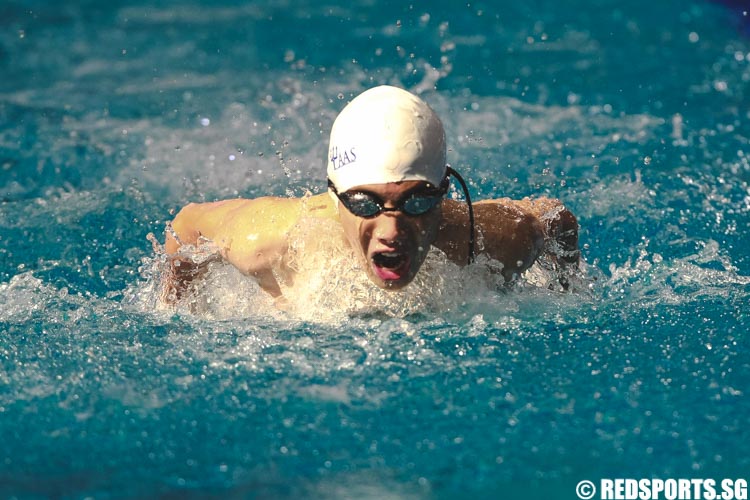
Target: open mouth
(390, 266)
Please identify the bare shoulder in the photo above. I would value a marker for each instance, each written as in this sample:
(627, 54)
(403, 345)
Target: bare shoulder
(513, 232)
(222, 221)
(250, 233)
(504, 232)
(559, 224)
(542, 207)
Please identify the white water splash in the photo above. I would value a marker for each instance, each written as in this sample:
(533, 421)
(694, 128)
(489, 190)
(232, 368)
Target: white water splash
(650, 280)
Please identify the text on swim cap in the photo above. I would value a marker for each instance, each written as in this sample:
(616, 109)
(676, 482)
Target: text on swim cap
(345, 157)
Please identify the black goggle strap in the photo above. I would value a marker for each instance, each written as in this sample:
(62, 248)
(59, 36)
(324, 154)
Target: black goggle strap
(471, 212)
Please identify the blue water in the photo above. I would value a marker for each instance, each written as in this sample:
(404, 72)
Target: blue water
(113, 115)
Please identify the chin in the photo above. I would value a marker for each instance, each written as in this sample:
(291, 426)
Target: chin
(394, 284)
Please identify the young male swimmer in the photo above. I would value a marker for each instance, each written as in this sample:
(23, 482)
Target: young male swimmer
(387, 180)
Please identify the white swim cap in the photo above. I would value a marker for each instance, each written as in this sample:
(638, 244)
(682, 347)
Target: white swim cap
(386, 135)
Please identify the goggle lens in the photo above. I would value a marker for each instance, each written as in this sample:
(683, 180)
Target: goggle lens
(360, 204)
(367, 205)
(420, 204)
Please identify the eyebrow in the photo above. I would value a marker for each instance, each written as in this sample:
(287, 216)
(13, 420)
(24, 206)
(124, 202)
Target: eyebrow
(426, 189)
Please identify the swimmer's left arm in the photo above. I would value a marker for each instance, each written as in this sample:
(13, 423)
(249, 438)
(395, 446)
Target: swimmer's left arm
(512, 232)
(511, 236)
(503, 232)
(559, 225)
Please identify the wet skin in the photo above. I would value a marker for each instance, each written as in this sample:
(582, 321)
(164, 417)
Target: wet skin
(392, 245)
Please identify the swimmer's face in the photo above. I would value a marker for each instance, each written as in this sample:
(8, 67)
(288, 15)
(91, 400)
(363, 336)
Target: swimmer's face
(392, 244)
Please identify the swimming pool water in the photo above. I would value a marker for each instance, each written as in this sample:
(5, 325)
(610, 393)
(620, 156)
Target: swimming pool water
(112, 116)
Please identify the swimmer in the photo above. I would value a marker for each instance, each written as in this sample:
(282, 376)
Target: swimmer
(387, 185)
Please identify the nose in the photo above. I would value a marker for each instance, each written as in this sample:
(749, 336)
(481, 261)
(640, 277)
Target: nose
(389, 228)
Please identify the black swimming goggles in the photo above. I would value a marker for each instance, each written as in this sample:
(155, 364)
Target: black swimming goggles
(367, 205)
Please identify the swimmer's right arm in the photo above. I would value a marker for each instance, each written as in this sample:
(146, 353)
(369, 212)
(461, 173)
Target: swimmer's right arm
(249, 234)
(185, 229)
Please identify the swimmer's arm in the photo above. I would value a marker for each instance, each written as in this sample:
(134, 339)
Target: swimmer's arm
(514, 233)
(249, 234)
(559, 226)
(504, 233)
